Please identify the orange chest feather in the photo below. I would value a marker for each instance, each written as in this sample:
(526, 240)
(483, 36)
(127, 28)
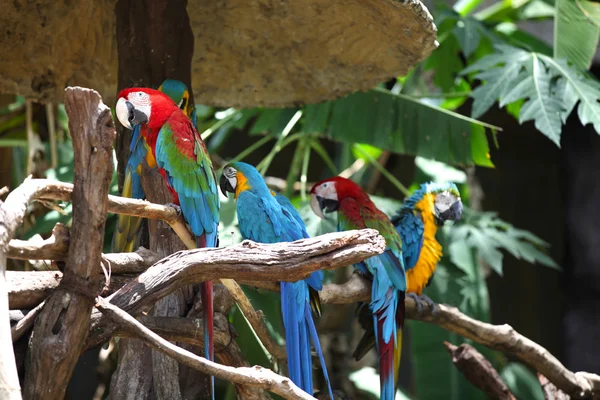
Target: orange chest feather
(431, 252)
(242, 184)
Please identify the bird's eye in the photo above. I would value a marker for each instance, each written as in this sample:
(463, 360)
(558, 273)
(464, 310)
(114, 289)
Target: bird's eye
(140, 94)
(325, 185)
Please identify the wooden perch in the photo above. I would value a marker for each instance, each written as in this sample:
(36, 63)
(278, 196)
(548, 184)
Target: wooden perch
(246, 261)
(479, 371)
(550, 391)
(60, 330)
(249, 376)
(499, 337)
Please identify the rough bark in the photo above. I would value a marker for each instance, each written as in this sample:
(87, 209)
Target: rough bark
(154, 42)
(479, 371)
(61, 329)
(255, 376)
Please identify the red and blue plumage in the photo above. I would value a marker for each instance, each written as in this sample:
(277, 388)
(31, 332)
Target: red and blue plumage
(183, 161)
(267, 217)
(127, 227)
(355, 210)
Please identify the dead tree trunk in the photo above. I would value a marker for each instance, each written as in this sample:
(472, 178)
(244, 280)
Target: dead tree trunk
(61, 329)
(155, 42)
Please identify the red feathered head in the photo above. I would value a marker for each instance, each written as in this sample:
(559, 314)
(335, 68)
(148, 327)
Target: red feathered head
(326, 195)
(143, 106)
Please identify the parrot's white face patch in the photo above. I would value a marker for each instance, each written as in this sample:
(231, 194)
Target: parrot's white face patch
(141, 102)
(136, 104)
(325, 191)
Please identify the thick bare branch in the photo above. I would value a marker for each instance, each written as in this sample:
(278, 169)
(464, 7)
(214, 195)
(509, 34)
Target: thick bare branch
(479, 371)
(254, 376)
(256, 320)
(56, 247)
(27, 322)
(499, 337)
(28, 289)
(61, 329)
(247, 261)
(9, 379)
(550, 391)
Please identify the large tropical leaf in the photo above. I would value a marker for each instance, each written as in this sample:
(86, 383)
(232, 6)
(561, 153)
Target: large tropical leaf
(551, 89)
(401, 124)
(576, 31)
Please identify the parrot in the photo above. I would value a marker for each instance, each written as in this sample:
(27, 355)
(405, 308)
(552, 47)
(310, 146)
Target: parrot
(355, 210)
(417, 222)
(185, 165)
(267, 217)
(127, 227)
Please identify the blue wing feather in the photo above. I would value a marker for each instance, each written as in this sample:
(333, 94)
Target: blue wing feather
(269, 220)
(192, 179)
(410, 227)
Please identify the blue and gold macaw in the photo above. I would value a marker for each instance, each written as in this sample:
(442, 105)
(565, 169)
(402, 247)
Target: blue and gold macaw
(267, 217)
(417, 223)
(127, 228)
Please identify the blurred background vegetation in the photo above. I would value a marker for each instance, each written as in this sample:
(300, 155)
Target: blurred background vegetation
(492, 65)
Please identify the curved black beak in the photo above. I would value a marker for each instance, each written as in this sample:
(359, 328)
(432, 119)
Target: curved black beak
(225, 185)
(447, 207)
(327, 205)
(135, 116)
(454, 213)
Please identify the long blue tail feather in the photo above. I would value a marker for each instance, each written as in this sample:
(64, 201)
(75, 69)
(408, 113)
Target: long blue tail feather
(300, 331)
(292, 335)
(315, 339)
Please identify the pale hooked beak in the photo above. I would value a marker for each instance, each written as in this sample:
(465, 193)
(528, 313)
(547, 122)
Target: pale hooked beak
(128, 115)
(320, 204)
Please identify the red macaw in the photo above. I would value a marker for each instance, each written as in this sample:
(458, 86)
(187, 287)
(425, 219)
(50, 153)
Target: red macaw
(183, 161)
(355, 210)
(126, 230)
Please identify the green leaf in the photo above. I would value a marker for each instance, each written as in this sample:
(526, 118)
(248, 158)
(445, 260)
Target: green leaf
(537, 9)
(440, 172)
(402, 124)
(448, 56)
(550, 89)
(272, 120)
(487, 249)
(480, 149)
(467, 31)
(542, 107)
(576, 31)
(521, 382)
(577, 87)
(498, 80)
(388, 121)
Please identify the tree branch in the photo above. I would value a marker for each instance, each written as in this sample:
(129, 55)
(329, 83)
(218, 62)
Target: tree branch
(60, 330)
(24, 324)
(499, 337)
(247, 261)
(255, 376)
(479, 371)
